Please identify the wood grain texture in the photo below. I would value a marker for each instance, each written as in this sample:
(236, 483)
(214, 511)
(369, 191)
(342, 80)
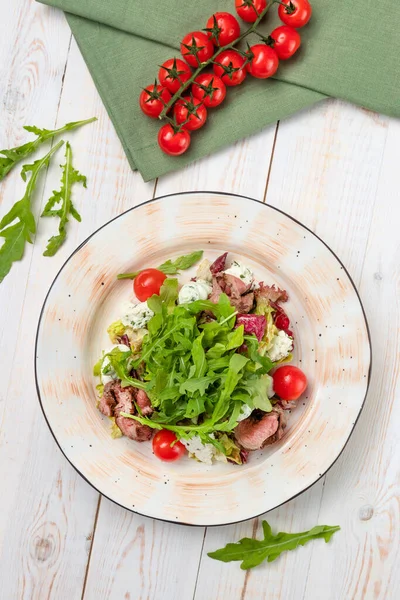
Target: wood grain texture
(335, 169)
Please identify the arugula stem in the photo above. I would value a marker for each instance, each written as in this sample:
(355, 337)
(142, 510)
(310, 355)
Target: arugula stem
(211, 60)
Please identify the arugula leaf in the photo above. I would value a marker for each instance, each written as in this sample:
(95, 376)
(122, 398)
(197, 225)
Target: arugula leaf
(253, 552)
(171, 267)
(181, 263)
(63, 198)
(13, 156)
(16, 235)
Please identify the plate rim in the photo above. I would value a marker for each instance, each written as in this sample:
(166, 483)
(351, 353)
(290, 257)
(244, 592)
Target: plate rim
(150, 201)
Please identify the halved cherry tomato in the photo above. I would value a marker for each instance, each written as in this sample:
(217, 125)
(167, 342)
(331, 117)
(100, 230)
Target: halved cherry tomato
(153, 99)
(196, 48)
(210, 89)
(191, 110)
(289, 382)
(285, 41)
(264, 61)
(173, 141)
(296, 13)
(222, 28)
(173, 72)
(229, 67)
(162, 446)
(245, 9)
(147, 283)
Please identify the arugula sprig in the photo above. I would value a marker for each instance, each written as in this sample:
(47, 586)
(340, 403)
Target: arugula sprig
(17, 234)
(171, 267)
(13, 156)
(62, 198)
(253, 552)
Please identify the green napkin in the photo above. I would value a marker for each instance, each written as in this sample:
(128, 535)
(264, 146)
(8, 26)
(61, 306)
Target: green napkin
(350, 49)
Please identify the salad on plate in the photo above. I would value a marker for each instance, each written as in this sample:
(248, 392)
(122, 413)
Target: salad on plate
(200, 368)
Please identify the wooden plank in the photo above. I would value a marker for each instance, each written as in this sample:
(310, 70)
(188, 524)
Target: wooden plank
(325, 172)
(132, 556)
(47, 515)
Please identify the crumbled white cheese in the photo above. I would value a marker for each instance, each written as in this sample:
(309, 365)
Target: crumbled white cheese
(194, 290)
(111, 374)
(245, 412)
(241, 272)
(136, 315)
(203, 271)
(281, 346)
(203, 452)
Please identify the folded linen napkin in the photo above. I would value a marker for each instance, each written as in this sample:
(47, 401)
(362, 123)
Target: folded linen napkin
(349, 50)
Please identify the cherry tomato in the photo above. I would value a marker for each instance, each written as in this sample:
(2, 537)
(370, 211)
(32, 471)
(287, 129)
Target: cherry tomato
(289, 382)
(191, 110)
(210, 89)
(196, 48)
(264, 62)
(285, 41)
(296, 13)
(229, 67)
(153, 99)
(147, 283)
(223, 28)
(162, 446)
(282, 322)
(173, 141)
(173, 72)
(245, 9)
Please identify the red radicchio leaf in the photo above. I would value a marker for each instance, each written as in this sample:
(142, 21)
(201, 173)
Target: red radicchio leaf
(252, 324)
(219, 264)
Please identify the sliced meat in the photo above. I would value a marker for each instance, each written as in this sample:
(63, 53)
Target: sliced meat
(271, 293)
(231, 285)
(108, 401)
(117, 399)
(143, 402)
(219, 264)
(260, 429)
(245, 303)
(252, 324)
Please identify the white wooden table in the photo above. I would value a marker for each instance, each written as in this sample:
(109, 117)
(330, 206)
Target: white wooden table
(335, 168)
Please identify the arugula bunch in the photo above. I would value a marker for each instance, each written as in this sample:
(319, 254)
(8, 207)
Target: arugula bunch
(171, 267)
(253, 552)
(13, 156)
(16, 235)
(195, 377)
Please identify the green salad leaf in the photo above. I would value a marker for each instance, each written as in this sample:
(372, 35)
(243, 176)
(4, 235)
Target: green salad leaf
(62, 199)
(253, 552)
(17, 234)
(171, 267)
(13, 156)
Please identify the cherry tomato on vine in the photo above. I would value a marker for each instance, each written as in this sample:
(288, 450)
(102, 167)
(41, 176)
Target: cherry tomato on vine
(153, 99)
(162, 446)
(173, 141)
(264, 61)
(229, 67)
(147, 283)
(296, 13)
(285, 41)
(222, 28)
(289, 382)
(173, 72)
(191, 110)
(196, 48)
(210, 89)
(245, 9)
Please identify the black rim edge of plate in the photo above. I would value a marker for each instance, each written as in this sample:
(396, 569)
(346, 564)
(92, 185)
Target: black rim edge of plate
(176, 522)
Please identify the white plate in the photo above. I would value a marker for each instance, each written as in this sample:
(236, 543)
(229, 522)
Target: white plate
(332, 347)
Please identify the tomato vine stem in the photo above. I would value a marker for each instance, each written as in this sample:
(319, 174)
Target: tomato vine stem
(184, 86)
